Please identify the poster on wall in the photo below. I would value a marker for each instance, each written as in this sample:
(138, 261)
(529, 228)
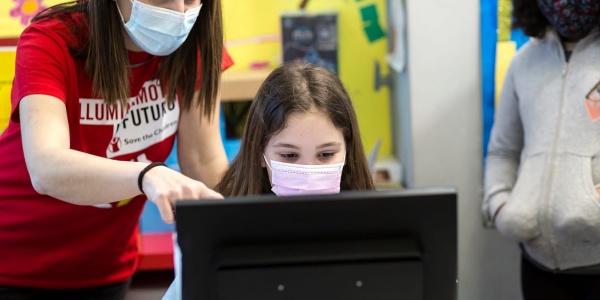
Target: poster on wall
(310, 38)
(499, 43)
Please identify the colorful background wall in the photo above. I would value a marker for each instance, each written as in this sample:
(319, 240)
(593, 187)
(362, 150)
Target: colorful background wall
(253, 38)
(498, 45)
(252, 32)
(14, 16)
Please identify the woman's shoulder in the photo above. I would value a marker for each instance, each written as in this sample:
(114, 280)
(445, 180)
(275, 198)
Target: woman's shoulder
(69, 27)
(539, 47)
(534, 52)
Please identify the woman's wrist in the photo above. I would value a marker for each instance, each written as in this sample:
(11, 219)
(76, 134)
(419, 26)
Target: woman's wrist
(145, 170)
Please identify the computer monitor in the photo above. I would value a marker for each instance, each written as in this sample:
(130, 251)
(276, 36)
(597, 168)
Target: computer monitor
(399, 244)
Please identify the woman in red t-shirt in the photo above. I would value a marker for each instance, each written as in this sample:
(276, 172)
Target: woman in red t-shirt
(101, 89)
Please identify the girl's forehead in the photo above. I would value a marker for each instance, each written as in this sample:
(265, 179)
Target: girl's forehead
(307, 128)
(171, 3)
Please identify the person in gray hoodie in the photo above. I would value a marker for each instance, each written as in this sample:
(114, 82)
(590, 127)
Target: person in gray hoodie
(542, 170)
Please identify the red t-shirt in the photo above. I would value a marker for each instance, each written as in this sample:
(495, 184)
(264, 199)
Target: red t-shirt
(49, 243)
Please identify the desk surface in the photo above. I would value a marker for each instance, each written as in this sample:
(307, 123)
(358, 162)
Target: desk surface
(155, 251)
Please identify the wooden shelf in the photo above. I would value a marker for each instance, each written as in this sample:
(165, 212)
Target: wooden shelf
(242, 85)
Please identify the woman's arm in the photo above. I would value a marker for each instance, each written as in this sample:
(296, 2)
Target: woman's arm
(504, 152)
(85, 179)
(199, 146)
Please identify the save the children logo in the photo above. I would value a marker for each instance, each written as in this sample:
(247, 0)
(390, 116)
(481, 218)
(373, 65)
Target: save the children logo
(146, 120)
(115, 144)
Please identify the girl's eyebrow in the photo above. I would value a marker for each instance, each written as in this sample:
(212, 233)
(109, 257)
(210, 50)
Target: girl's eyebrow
(329, 145)
(284, 145)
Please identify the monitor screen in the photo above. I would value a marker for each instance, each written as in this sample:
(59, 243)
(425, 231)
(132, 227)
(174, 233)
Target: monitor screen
(397, 244)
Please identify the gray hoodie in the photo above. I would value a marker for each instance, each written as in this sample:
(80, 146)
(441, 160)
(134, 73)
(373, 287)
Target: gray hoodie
(543, 161)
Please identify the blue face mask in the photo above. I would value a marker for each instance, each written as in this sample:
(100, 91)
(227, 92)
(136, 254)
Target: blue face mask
(159, 31)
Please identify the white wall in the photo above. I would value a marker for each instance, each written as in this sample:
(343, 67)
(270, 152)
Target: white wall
(438, 135)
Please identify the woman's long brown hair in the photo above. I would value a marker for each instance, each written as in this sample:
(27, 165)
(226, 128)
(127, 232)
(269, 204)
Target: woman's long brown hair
(294, 88)
(106, 60)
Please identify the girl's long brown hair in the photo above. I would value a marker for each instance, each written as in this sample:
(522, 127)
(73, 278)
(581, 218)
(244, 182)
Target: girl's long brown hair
(292, 88)
(106, 60)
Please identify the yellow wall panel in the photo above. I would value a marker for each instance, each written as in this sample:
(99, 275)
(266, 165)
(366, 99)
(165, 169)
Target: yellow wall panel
(252, 31)
(7, 73)
(504, 54)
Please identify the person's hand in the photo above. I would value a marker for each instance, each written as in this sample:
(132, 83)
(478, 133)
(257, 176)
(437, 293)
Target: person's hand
(164, 186)
(497, 212)
(598, 191)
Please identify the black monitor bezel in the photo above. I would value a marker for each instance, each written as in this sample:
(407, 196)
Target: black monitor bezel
(205, 227)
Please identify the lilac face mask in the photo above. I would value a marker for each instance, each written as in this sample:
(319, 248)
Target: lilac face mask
(295, 179)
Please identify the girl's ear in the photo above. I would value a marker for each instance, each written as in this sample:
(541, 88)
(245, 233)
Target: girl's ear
(262, 161)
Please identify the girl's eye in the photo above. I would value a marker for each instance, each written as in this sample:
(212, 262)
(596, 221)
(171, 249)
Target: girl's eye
(288, 155)
(326, 155)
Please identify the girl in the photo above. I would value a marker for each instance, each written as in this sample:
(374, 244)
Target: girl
(301, 137)
(301, 115)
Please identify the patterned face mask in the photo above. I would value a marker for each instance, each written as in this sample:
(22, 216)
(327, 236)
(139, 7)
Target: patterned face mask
(571, 18)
